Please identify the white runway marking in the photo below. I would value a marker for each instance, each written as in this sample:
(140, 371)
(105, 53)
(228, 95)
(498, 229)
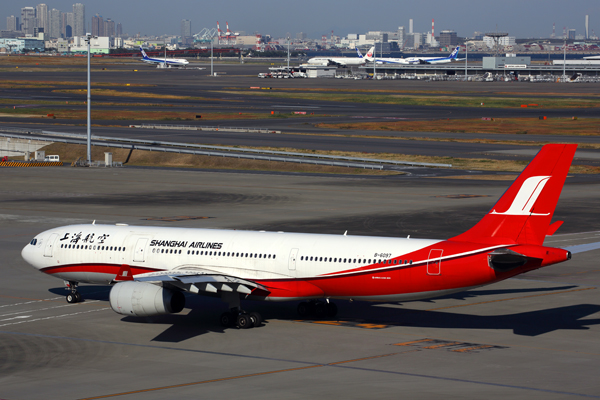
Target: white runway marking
(31, 302)
(55, 316)
(49, 308)
(19, 317)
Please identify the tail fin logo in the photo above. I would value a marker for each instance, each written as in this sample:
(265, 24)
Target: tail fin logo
(143, 52)
(527, 196)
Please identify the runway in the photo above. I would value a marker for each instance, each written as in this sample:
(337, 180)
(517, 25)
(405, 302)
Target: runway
(221, 94)
(532, 337)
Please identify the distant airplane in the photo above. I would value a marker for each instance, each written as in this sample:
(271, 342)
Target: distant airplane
(178, 62)
(341, 61)
(592, 58)
(150, 268)
(418, 60)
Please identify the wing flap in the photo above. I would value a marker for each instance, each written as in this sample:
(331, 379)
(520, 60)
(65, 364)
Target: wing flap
(197, 282)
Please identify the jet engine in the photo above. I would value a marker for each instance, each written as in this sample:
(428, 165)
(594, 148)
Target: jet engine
(144, 299)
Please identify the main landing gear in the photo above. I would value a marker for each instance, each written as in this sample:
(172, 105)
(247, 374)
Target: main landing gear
(236, 316)
(74, 296)
(317, 309)
(241, 319)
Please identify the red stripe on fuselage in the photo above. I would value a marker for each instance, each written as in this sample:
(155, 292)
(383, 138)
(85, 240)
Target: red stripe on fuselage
(450, 250)
(96, 268)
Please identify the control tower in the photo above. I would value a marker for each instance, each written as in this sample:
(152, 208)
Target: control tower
(496, 37)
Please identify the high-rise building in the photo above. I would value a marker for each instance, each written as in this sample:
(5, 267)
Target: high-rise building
(186, 32)
(410, 26)
(587, 27)
(12, 23)
(54, 19)
(448, 38)
(300, 35)
(571, 34)
(67, 25)
(41, 14)
(109, 27)
(119, 30)
(401, 37)
(78, 19)
(97, 25)
(27, 20)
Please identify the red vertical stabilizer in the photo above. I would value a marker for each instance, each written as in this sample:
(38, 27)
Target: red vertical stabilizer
(523, 214)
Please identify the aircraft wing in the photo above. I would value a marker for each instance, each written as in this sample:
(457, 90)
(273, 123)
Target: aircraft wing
(197, 281)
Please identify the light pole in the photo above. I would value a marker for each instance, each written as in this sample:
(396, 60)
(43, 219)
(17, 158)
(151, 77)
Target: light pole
(212, 39)
(564, 77)
(374, 59)
(88, 38)
(288, 58)
(466, 60)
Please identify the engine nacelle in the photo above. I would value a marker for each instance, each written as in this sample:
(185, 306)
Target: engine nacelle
(144, 299)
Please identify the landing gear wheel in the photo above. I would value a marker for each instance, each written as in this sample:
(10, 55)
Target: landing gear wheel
(331, 310)
(244, 321)
(78, 297)
(256, 319)
(321, 310)
(304, 309)
(227, 319)
(72, 298)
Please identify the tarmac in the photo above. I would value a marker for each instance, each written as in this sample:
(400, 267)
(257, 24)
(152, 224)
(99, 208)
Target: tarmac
(536, 336)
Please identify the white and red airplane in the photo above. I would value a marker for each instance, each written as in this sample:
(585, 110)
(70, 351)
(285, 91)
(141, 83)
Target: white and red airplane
(151, 267)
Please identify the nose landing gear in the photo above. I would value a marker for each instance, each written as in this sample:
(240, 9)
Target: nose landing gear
(74, 296)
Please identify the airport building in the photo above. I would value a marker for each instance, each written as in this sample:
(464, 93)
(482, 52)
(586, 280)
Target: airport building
(17, 45)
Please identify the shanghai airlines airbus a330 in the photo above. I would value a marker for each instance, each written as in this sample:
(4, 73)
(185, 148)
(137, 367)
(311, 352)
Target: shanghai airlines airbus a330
(150, 268)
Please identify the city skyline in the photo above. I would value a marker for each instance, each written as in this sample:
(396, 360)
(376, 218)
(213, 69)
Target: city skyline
(521, 19)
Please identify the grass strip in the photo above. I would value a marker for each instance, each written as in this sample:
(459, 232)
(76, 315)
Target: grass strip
(439, 101)
(523, 126)
(70, 152)
(135, 115)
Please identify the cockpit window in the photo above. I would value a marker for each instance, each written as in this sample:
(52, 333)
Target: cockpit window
(33, 242)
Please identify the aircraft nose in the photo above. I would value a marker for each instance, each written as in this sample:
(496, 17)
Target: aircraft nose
(28, 253)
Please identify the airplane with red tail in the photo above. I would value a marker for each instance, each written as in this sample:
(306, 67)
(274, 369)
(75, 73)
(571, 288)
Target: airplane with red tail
(150, 268)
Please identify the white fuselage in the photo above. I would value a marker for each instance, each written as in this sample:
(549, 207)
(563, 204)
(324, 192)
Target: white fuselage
(80, 252)
(178, 62)
(336, 60)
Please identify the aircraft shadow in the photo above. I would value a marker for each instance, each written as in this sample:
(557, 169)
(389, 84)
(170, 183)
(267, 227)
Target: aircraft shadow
(487, 292)
(205, 311)
(88, 292)
(531, 323)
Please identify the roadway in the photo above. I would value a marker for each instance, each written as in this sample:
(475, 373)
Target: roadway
(537, 336)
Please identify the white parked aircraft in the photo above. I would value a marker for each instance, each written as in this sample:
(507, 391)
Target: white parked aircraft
(342, 61)
(151, 268)
(418, 60)
(167, 62)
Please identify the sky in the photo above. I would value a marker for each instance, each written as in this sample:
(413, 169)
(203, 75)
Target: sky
(524, 18)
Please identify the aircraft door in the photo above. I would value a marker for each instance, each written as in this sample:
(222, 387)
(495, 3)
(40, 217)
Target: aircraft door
(50, 245)
(140, 250)
(434, 265)
(292, 260)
